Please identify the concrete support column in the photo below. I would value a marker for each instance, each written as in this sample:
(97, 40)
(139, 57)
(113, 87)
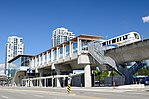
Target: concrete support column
(63, 51)
(31, 62)
(87, 75)
(31, 83)
(70, 48)
(78, 43)
(45, 82)
(57, 54)
(40, 81)
(53, 81)
(58, 79)
(57, 69)
(43, 59)
(80, 46)
(35, 61)
(26, 84)
(53, 68)
(37, 82)
(39, 60)
(52, 55)
(33, 65)
(47, 57)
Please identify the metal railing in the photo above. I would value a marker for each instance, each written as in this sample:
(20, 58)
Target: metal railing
(97, 52)
(95, 49)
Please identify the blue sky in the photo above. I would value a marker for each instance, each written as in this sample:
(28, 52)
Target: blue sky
(34, 20)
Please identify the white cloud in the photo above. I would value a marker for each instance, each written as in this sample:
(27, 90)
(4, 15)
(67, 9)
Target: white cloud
(145, 19)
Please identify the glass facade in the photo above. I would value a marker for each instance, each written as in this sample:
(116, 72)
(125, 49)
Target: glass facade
(55, 54)
(84, 46)
(75, 47)
(49, 55)
(61, 53)
(67, 50)
(22, 61)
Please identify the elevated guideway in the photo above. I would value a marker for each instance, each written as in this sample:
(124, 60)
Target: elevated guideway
(132, 52)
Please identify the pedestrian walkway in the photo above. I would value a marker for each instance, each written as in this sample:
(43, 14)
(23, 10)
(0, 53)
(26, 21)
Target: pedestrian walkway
(93, 89)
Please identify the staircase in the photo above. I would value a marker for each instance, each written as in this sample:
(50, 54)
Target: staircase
(96, 50)
(136, 67)
(129, 72)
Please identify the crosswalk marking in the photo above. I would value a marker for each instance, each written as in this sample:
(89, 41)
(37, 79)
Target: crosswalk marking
(5, 97)
(38, 96)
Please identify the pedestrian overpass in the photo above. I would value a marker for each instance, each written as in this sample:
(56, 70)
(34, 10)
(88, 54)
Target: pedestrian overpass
(81, 52)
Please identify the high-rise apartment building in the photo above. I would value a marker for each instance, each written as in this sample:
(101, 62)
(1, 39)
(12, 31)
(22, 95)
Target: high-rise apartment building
(61, 35)
(14, 47)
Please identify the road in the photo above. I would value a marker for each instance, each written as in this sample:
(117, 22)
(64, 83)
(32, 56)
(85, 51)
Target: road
(77, 93)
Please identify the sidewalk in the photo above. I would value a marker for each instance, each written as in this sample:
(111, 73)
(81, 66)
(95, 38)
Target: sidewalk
(93, 89)
(100, 89)
(118, 89)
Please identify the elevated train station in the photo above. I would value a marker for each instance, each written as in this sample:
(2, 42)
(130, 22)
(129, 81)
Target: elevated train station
(84, 52)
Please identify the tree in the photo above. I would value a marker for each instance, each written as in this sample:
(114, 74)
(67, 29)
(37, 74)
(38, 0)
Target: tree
(113, 73)
(104, 74)
(97, 74)
(143, 72)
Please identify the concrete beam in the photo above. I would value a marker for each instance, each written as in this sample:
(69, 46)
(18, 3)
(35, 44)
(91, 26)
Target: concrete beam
(84, 59)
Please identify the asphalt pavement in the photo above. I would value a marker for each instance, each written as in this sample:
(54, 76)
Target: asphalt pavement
(76, 93)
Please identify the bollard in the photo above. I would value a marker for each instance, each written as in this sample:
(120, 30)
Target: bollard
(68, 88)
(68, 85)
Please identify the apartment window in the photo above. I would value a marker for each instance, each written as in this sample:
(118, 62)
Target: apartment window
(20, 40)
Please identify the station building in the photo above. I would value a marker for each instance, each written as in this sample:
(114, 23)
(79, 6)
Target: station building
(53, 66)
(17, 68)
